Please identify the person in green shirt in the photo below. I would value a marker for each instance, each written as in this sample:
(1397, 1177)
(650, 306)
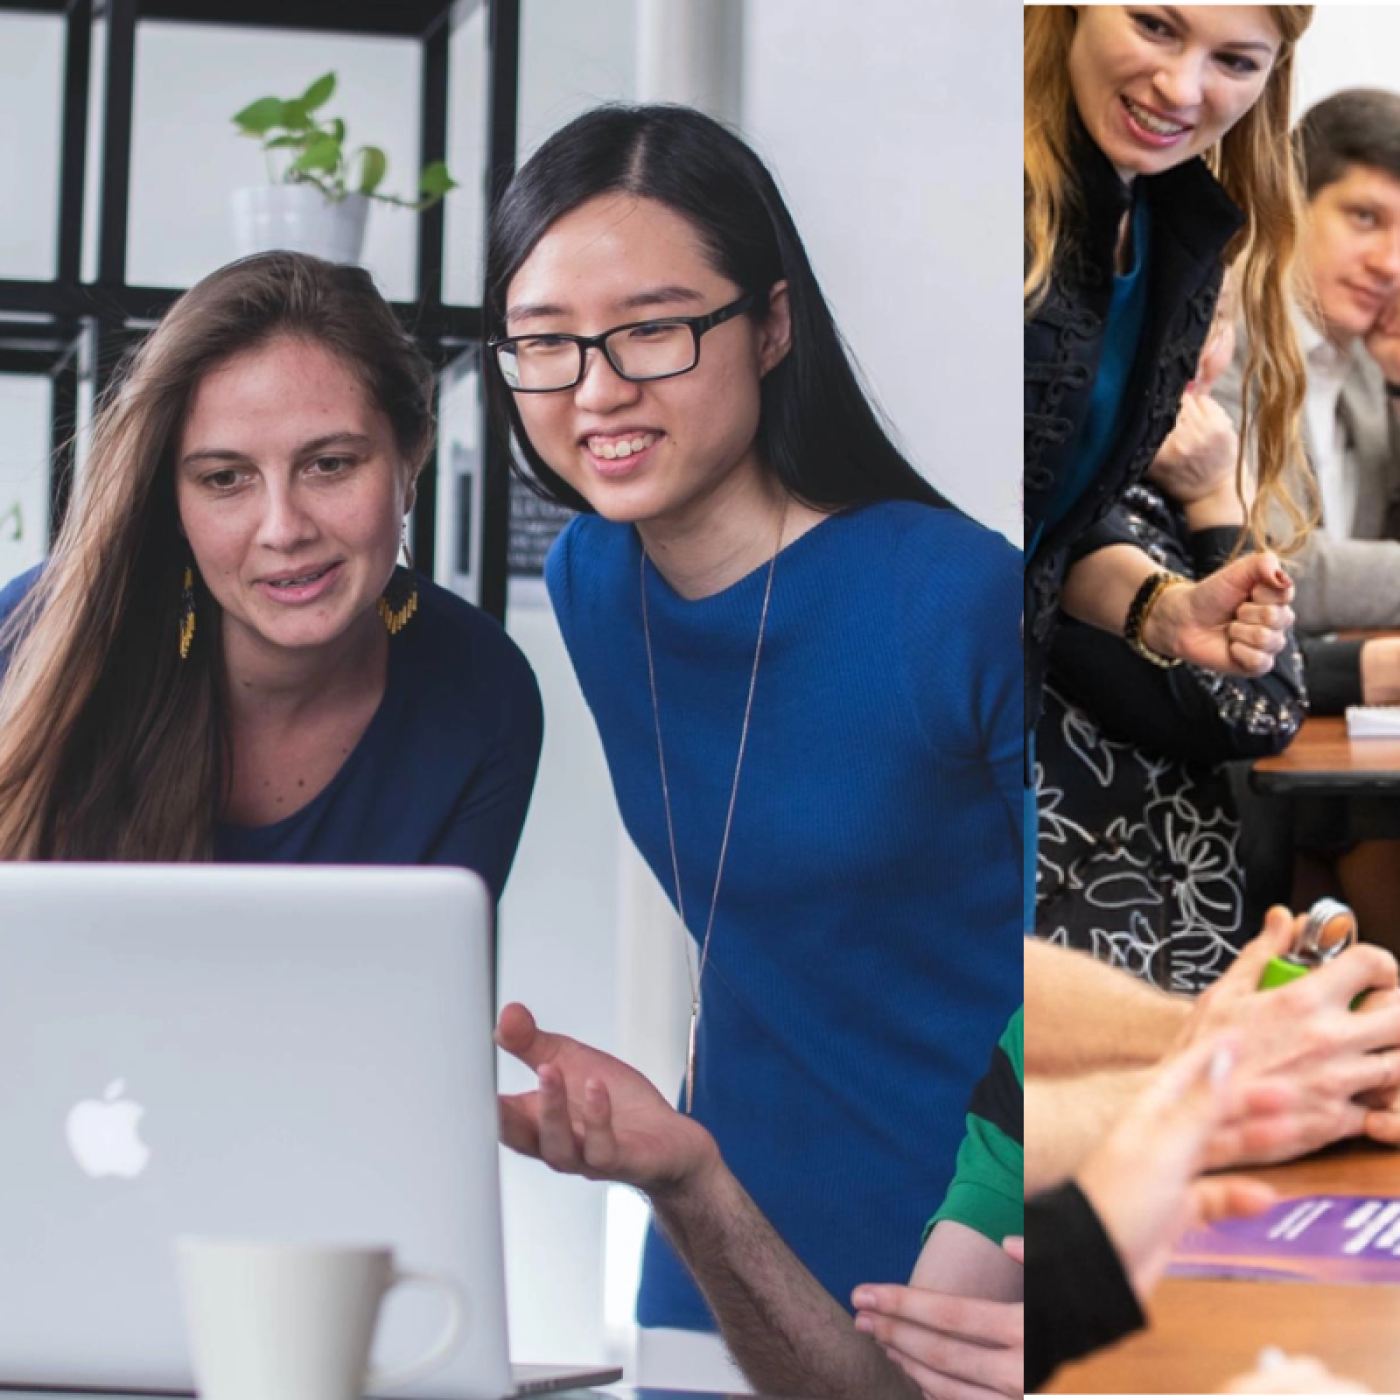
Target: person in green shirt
(956, 1327)
(987, 1193)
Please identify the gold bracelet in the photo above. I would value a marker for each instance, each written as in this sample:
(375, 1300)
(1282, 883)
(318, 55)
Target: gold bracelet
(1144, 600)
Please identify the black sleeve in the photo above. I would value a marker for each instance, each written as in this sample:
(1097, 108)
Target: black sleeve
(1192, 715)
(1114, 528)
(1334, 673)
(1185, 713)
(1078, 1297)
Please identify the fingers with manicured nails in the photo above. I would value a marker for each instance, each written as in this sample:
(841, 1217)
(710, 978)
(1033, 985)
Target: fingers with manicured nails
(1245, 661)
(1272, 573)
(1266, 641)
(1267, 595)
(1272, 617)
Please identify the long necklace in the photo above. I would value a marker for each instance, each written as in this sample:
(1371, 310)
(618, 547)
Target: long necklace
(696, 969)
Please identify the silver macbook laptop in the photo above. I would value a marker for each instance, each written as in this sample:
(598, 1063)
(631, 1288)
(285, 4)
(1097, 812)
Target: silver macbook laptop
(281, 1053)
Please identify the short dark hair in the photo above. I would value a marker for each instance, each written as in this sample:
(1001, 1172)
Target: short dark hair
(1358, 126)
(818, 432)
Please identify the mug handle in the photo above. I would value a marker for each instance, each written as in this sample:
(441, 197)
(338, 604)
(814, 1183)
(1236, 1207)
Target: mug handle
(447, 1342)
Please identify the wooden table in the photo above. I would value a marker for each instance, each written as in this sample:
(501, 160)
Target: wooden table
(1324, 762)
(1206, 1331)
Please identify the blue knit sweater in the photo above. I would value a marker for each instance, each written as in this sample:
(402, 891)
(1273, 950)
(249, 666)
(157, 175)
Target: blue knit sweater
(867, 946)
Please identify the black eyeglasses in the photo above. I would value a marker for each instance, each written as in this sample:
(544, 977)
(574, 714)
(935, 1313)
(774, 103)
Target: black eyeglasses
(638, 351)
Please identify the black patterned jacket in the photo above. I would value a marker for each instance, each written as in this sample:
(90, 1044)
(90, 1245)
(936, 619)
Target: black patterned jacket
(1193, 220)
(1141, 854)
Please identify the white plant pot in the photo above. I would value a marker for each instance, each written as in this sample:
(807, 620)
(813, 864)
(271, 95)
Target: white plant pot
(301, 219)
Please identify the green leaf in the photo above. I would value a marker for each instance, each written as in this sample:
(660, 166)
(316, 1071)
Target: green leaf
(260, 116)
(373, 165)
(337, 129)
(295, 116)
(435, 181)
(319, 92)
(279, 143)
(323, 154)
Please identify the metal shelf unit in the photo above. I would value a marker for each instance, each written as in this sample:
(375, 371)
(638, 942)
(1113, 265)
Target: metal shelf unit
(60, 327)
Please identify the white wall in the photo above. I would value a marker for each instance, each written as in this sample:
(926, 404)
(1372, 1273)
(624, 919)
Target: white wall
(895, 133)
(1347, 46)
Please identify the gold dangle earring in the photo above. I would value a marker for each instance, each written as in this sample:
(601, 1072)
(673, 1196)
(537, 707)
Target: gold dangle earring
(187, 613)
(399, 601)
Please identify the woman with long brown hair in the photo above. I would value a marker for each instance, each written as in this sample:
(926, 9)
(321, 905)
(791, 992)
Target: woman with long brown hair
(1156, 153)
(221, 660)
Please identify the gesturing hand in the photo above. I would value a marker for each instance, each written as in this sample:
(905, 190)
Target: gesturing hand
(594, 1116)
(1142, 1180)
(1331, 1071)
(947, 1344)
(1235, 620)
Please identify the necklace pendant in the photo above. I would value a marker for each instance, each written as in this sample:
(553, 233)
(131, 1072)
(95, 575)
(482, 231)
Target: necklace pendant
(690, 1059)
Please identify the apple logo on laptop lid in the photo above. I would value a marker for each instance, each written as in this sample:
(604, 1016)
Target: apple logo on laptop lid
(103, 1135)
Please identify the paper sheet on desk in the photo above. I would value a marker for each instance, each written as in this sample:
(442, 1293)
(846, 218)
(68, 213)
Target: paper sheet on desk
(1373, 721)
(1316, 1239)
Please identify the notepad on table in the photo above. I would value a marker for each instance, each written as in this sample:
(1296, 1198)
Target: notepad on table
(1373, 721)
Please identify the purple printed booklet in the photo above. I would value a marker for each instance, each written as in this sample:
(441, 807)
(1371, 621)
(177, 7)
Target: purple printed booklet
(1317, 1239)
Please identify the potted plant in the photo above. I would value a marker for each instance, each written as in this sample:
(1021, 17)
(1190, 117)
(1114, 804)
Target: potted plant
(321, 190)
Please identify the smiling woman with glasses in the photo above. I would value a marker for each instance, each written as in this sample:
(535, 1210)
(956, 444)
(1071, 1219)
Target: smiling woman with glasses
(638, 351)
(805, 669)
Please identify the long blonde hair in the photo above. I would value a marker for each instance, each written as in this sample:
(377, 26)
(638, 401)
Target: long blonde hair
(111, 746)
(1254, 163)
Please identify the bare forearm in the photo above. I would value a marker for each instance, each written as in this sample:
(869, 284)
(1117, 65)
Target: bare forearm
(789, 1335)
(1099, 589)
(1082, 1015)
(1067, 1117)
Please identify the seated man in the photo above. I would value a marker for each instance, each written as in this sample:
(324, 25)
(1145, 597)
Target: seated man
(1349, 566)
(957, 1325)
(1348, 570)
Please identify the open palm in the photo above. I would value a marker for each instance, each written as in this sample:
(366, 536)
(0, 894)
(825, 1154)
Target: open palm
(593, 1115)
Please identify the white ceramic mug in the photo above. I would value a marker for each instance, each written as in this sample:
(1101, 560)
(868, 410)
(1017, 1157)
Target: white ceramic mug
(279, 1321)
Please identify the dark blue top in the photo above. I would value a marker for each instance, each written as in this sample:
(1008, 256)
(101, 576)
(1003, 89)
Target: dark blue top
(443, 773)
(866, 951)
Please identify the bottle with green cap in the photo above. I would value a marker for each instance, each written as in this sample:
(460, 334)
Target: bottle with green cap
(1328, 929)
